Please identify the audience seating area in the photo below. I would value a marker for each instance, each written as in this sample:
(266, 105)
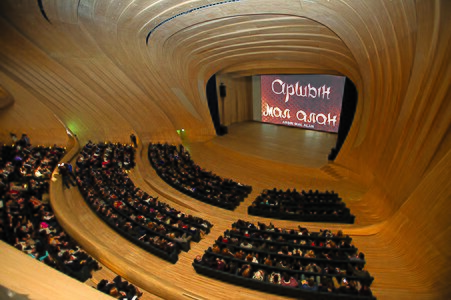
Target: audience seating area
(306, 206)
(175, 166)
(153, 225)
(26, 218)
(289, 262)
(295, 263)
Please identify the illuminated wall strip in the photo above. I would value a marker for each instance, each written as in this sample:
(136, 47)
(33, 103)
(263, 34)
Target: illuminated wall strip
(187, 12)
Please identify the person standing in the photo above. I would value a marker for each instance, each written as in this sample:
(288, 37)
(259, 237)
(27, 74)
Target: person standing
(13, 138)
(70, 172)
(25, 140)
(66, 176)
(133, 138)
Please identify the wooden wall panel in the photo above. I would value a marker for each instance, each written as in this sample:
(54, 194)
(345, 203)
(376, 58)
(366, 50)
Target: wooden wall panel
(237, 105)
(28, 115)
(6, 99)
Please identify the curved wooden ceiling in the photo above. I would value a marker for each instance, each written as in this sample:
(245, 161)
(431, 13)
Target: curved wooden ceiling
(89, 67)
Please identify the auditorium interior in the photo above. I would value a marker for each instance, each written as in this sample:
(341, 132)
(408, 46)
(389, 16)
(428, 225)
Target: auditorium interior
(78, 71)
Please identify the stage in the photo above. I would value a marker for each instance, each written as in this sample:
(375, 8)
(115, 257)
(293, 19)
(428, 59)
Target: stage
(288, 145)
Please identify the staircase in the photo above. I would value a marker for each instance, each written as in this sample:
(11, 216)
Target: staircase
(333, 171)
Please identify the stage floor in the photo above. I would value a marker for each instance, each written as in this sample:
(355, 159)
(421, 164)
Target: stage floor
(278, 143)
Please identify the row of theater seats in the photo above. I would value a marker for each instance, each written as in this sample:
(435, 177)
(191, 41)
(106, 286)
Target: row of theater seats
(118, 288)
(26, 218)
(155, 226)
(175, 166)
(306, 206)
(295, 263)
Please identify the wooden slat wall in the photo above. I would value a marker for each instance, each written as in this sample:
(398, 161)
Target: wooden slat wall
(91, 68)
(237, 105)
(6, 99)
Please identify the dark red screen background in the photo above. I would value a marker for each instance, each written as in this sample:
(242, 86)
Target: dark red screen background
(317, 109)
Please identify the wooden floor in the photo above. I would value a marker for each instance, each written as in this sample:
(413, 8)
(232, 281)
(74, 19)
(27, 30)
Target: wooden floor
(243, 156)
(288, 145)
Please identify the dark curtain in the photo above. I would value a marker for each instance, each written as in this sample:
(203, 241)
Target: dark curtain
(348, 109)
(212, 98)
